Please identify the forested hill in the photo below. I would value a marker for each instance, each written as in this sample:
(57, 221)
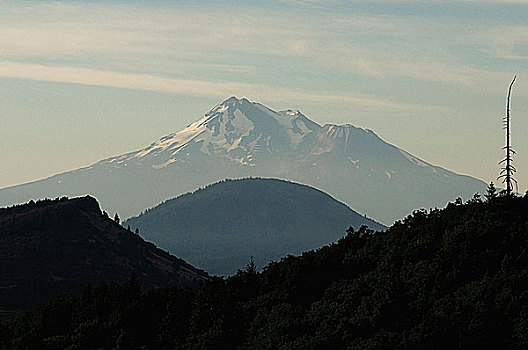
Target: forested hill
(219, 227)
(53, 246)
(455, 278)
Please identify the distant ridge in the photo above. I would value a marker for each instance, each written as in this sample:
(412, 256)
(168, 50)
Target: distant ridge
(220, 227)
(237, 139)
(53, 246)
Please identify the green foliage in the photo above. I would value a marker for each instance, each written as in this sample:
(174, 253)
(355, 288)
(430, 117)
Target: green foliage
(452, 278)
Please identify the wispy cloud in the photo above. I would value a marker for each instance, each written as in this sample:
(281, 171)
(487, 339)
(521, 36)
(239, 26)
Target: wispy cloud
(88, 76)
(507, 42)
(212, 53)
(148, 82)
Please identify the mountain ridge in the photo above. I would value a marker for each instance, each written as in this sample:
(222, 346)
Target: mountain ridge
(238, 138)
(53, 246)
(452, 278)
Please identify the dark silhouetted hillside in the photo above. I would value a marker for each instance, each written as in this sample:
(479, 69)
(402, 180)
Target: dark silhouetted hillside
(53, 246)
(447, 279)
(220, 227)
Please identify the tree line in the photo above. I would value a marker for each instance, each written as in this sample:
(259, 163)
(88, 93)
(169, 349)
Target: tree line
(439, 279)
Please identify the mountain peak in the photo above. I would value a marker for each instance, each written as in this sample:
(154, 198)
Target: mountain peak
(233, 100)
(241, 138)
(343, 127)
(232, 103)
(86, 203)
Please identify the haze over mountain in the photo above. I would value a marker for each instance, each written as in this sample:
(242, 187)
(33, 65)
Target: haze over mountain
(239, 138)
(219, 228)
(54, 246)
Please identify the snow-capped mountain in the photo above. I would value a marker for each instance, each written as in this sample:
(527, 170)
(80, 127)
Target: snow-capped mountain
(237, 131)
(239, 138)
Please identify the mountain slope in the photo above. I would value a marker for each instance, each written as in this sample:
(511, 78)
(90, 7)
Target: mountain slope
(239, 138)
(447, 279)
(53, 246)
(220, 227)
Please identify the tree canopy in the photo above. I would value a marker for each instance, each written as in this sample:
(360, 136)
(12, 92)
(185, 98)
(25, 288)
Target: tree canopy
(439, 279)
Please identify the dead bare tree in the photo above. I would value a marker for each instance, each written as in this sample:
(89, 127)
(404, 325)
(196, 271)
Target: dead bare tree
(508, 170)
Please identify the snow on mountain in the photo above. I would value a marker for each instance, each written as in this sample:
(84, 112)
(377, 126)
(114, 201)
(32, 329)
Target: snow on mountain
(239, 138)
(237, 130)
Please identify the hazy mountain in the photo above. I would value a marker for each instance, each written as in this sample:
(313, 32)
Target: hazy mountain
(50, 247)
(239, 138)
(220, 227)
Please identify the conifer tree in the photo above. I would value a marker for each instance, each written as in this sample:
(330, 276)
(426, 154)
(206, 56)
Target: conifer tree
(491, 192)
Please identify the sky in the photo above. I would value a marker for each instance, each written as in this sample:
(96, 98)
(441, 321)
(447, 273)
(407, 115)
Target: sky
(84, 80)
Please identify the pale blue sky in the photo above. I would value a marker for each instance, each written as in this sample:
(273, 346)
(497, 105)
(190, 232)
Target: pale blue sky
(81, 81)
